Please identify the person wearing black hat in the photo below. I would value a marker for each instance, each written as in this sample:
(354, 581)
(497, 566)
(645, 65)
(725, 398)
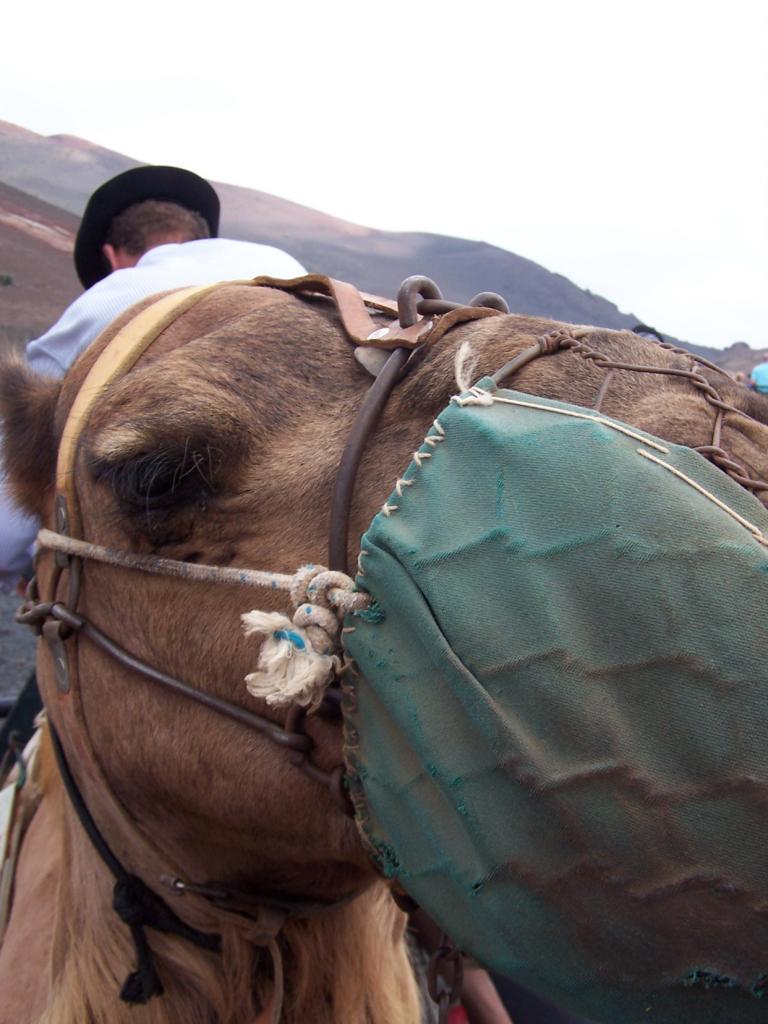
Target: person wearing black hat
(144, 231)
(156, 188)
(147, 230)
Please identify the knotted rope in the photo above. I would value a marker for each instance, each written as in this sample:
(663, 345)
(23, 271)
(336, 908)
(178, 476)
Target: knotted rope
(299, 656)
(135, 903)
(139, 907)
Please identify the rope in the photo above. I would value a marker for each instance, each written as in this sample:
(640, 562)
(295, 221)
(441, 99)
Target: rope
(478, 396)
(299, 656)
(133, 901)
(754, 530)
(164, 566)
(140, 907)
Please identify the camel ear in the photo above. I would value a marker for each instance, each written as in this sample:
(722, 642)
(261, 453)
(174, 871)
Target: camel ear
(750, 402)
(27, 409)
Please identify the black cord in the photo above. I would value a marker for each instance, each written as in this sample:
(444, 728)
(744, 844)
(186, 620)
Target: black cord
(133, 901)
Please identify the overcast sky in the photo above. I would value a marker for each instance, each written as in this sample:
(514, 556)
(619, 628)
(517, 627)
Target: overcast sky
(622, 145)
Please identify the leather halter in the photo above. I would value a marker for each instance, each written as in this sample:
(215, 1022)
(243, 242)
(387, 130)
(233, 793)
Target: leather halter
(59, 620)
(408, 342)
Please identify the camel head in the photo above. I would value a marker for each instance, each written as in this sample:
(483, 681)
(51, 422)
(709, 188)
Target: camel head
(220, 447)
(218, 450)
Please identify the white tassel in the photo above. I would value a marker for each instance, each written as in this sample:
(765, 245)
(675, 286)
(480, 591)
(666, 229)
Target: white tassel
(464, 366)
(291, 671)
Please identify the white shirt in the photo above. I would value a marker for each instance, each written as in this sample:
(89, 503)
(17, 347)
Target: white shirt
(205, 261)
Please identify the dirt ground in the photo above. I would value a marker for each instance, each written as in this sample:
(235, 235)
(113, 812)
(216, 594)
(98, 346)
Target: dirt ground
(17, 648)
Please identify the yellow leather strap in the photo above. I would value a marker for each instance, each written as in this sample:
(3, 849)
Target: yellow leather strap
(116, 359)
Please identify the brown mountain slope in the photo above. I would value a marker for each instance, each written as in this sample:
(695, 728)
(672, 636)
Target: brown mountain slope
(59, 172)
(35, 253)
(60, 169)
(65, 170)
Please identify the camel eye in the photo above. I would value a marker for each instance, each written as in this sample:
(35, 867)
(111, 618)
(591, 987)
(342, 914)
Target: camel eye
(162, 480)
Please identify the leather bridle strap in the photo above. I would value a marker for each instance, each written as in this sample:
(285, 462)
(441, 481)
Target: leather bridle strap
(352, 307)
(133, 901)
(57, 619)
(116, 359)
(138, 905)
(375, 399)
(298, 743)
(401, 361)
(351, 304)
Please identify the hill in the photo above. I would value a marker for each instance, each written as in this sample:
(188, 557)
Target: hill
(45, 182)
(37, 279)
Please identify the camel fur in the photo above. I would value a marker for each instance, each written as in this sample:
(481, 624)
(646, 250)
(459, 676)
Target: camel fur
(221, 447)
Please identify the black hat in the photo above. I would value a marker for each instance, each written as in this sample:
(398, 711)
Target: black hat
(168, 184)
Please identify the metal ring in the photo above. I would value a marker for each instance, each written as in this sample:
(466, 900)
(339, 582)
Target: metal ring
(408, 295)
(490, 300)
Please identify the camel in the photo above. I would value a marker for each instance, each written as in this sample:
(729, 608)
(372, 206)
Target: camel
(220, 447)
